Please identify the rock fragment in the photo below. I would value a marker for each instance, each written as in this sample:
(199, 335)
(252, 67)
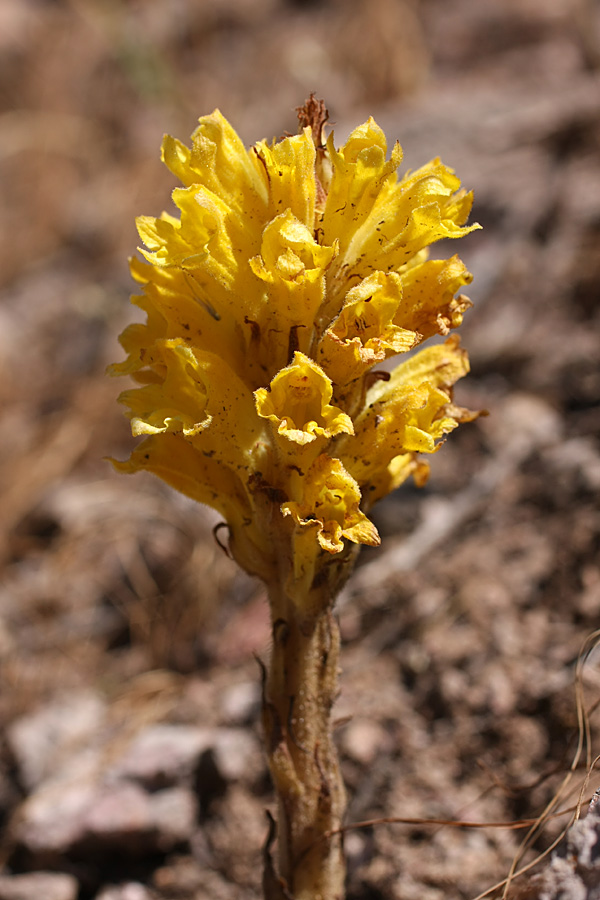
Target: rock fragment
(38, 886)
(41, 740)
(131, 890)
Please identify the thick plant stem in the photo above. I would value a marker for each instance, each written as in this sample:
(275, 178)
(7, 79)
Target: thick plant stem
(300, 689)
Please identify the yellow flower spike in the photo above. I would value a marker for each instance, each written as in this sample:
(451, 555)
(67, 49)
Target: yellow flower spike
(330, 507)
(269, 261)
(364, 333)
(249, 276)
(297, 402)
(290, 170)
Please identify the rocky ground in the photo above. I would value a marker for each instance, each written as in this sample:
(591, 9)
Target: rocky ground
(130, 756)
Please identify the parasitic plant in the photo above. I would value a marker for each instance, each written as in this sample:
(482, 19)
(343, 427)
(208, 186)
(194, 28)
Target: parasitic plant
(293, 270)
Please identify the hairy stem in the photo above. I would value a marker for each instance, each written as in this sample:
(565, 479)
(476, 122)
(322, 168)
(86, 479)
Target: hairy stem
(300, 689)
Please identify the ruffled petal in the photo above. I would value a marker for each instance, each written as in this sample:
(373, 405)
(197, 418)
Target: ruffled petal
(407, 216)
(176, 401)
(386, 479)
(410, 413)
(219, 161)
(203, 478)
(428, 303)
(359, 172)
(364, 331)
(290, 170)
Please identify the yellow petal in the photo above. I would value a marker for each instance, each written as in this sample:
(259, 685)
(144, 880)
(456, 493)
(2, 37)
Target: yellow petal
(190, 306)
(219, 161)
(188, 470)
(197, 394)
(407, 216)
(290, 254)
(165, 243)
(174, 403)
(359, 171)
(440, 366)
(428, 303)
(290, 169)
(234, 434)
(209, 236)
(386, 479)
(297, 402)
(207, 480)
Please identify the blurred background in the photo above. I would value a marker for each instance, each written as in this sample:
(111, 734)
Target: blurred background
(130, 762)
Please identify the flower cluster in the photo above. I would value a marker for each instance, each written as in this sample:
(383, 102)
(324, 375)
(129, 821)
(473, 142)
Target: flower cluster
(293, 269)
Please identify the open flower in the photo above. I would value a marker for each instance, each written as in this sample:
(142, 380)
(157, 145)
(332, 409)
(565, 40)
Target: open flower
(364, 332)
(292, 270)
(329, 512)
(298, 403)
